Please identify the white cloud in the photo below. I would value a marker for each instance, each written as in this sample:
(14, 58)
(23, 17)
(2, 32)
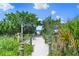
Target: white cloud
(6, 6)
(62, 19)
(53, 12)
(57, 17)
(41, 6)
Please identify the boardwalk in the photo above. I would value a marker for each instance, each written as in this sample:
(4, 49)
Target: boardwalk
(40, 48)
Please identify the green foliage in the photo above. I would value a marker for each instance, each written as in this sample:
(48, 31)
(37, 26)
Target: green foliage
(55, 53)
(74, 27)
(70, 52)
(9, 46)
(12, 22)
(26, 36)
(48, 28)
(28, 49)
(49, 23)
(67, 42)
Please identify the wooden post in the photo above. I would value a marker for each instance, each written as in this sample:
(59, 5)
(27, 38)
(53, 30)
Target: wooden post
(31, 39)
(21, 49)
(50, 48)
(50, 44)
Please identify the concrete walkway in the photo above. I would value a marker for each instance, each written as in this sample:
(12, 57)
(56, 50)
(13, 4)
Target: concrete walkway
(40, 48)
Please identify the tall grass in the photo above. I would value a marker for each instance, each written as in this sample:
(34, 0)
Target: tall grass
(67, 41)
(9, 46)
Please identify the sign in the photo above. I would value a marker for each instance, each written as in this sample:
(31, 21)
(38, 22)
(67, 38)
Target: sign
(56, 28)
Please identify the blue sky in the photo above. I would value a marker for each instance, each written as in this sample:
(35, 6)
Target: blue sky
(65, 11)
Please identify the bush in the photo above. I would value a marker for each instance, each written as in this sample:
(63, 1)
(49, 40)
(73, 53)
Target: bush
(28, 49)
(9, 46)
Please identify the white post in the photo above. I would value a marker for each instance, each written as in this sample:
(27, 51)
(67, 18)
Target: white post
(21, 42)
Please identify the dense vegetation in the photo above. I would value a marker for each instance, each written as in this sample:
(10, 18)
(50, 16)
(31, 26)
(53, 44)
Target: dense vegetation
(10, 26)
(66, 40)
(12, 22)
(9, 46)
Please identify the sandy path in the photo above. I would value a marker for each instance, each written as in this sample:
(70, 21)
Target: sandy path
(40, 48)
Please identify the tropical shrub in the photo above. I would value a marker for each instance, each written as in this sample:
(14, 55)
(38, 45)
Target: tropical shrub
(9, 46)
